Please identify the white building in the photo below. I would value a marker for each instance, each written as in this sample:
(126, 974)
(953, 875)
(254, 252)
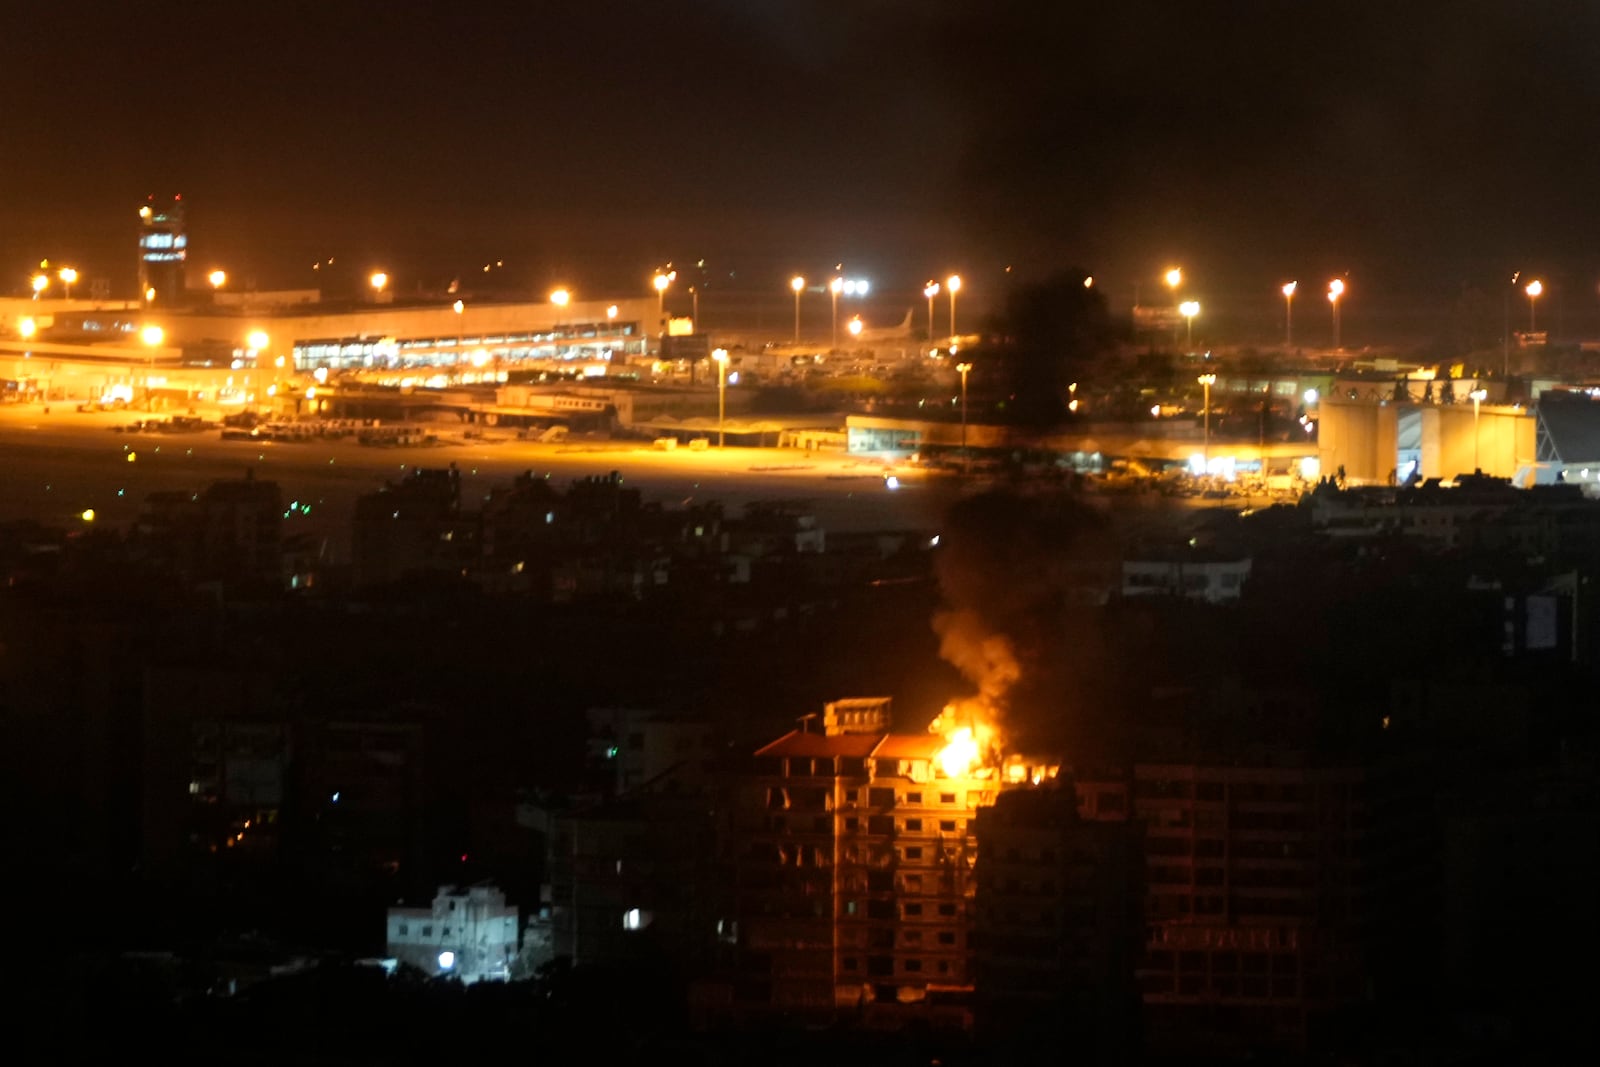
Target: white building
(470, 933)
(1215, 581)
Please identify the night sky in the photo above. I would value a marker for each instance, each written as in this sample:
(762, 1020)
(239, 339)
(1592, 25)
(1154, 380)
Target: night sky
(1417, 145)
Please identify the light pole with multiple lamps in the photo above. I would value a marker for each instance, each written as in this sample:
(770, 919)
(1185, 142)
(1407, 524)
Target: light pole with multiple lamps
(1288, 312)
(720, 357)
(68, 276)
(1335, 291)
(1477, 396)
(379, 280)
(963, 369)
(1534, 288)
(835, 287)
(152, 336)
(1189, 309)
(952, 286)
(40, 283)
(930, 291)
(1206, 381)
(798, 284)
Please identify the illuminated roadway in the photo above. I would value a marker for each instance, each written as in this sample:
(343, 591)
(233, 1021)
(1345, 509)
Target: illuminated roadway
(53, 467)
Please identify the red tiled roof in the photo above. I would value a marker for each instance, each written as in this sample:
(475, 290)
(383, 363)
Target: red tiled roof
(910, 746)
(803, 744)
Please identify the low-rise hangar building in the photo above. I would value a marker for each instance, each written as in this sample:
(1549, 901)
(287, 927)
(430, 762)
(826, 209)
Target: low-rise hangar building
(1553, 438)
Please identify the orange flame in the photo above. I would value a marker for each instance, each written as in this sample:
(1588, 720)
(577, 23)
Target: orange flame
(971, 741)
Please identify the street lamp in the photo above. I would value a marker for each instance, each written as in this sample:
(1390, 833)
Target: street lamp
(952, 285)
(41, 282)
(217, 278)
(26, 328)
(855, 326)
(721, 358)
(1533, 290)
(1174, 278)
(378, 281)
(1189, 309)
(67, 276)
(1288, 312)
(1335, 291)
(152, 336)
(930, 291)
(661, 281)
(835, 287)
(460, 308)
(798, 284)
(1477, 397)
(963, 369)
(1206, 381)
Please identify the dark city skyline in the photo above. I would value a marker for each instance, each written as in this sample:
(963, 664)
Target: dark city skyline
(1419, 148)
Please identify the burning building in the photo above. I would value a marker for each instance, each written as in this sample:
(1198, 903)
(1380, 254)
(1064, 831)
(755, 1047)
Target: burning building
(854, 849)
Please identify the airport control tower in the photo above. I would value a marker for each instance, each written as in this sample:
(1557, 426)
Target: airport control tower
(163, 248)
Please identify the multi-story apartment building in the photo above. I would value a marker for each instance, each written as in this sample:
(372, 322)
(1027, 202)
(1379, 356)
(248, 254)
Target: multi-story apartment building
(1056, 924)
(1259, 881)
(853, 852)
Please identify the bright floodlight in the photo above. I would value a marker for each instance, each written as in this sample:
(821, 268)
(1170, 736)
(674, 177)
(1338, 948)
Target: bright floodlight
(661, 281)
(458, 307)
(1289, 288)
(1535, 287)
(217, 278)
(379, 279)
(1311, 396)
(40, 282)
(953, 283)
(1478, 395)
(1335, 289)
(447, 960)
(1207, 380)
(855, 326)
(611, 311)
(561, 298)
(930, 290)
(1174, 278)
(797, 283)
(1189, 308)
(720, 355)
(67, 275)
(257, 340)
(27, 327)
(836, 286)
(152, 335)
